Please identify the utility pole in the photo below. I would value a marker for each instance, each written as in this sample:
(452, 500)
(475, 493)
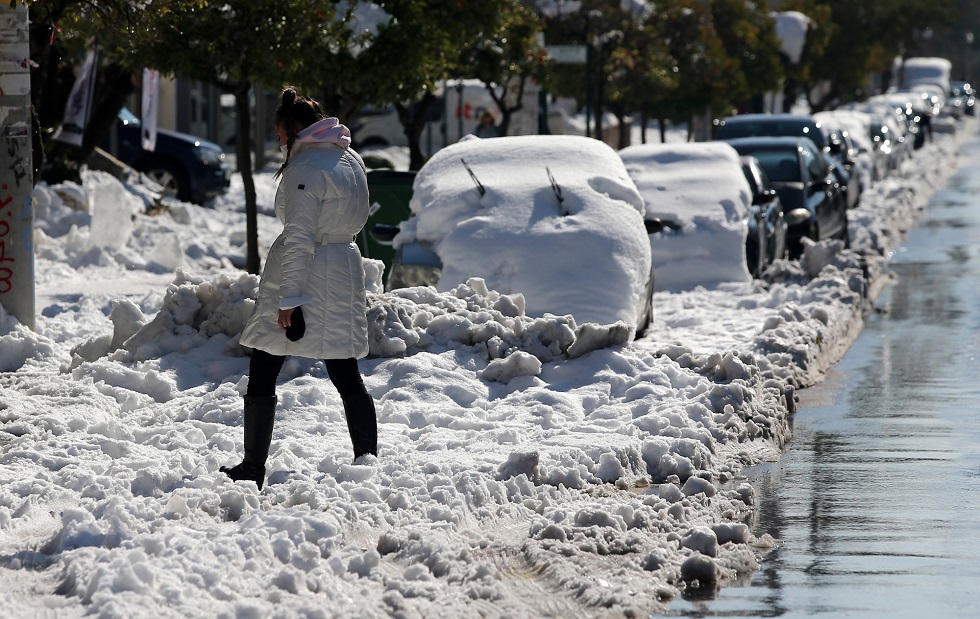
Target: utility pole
(16, 169)
(968, 58)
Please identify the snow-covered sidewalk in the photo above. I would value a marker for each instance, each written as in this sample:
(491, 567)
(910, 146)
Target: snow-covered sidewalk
(529, 467)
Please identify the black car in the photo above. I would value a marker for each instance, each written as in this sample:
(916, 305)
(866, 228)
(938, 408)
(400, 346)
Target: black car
(963, 97)
(845, 153)
(793, 125)
(188, 168)
(813, 203)
(766, 238)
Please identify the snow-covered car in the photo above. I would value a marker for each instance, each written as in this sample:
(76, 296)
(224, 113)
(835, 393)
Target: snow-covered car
(889, 133)
(700, 195)
(916, 112)
(963, 97)
(554, 218)
(850, 131)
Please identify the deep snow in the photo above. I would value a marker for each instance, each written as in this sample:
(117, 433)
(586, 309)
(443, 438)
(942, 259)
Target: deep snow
(529, 467)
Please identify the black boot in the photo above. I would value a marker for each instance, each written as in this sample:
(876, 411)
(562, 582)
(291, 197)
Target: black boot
(260, 415)
(362, 423)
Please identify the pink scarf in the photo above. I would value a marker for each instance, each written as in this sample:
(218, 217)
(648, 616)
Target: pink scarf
(328, 130)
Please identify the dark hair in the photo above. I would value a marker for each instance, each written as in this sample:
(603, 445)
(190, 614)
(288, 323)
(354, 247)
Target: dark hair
(295, 113)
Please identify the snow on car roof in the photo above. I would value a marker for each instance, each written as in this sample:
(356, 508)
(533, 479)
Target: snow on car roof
(685, 180)
(585, 254)
(701, 186)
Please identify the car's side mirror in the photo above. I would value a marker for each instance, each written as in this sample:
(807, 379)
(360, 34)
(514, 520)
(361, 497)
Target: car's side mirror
(763, 196)
(384, 233)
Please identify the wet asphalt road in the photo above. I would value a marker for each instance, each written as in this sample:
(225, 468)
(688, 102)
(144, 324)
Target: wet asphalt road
(877, 501)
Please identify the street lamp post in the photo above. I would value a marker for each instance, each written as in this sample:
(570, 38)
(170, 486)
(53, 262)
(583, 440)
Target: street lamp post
(969, 56)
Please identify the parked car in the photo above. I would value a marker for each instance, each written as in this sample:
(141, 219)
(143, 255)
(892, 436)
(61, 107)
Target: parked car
(188, 168)
(801, 125)
(963, 97)
(913, 110)
(699, 194)
(843, 148)
(766, 240)
(889, 133)
(919, 70)
(814, 205)
(555, 218)
(871, 162)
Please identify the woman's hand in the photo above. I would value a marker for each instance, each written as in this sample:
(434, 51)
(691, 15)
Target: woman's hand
(285, 318)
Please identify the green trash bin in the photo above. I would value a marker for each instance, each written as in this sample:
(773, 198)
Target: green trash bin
(390, 192)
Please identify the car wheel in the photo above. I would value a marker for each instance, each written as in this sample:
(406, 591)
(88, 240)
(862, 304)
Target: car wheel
(647, 318)
(796, 252)
(170, 177)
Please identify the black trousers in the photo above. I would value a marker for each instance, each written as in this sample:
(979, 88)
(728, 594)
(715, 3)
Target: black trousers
(362, 423)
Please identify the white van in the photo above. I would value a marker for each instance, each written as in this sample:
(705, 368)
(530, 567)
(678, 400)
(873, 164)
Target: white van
(456, 112)
(917, 71)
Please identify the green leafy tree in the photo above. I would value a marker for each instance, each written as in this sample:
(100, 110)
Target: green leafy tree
(589, 23)
(60, 32)
(799, 76)
(339, 61)
(706, 75)
(235, 44)
(403, 62)
(748, 35)
(851, 55)
(899, 28)
(851, 42)
(642, 72)
(505, 57)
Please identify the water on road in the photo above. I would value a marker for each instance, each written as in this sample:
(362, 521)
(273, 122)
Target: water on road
(877, 501)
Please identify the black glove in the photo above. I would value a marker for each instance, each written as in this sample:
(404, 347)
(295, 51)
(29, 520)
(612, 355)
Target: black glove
(297, 325)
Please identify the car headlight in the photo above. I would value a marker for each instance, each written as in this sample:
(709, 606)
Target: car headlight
(408, 275)
(797, 216)
(210, 157)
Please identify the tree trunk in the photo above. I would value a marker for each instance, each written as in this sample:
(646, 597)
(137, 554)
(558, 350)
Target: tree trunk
(789, 95)
(624, 130)
(253, 264)
(597, 109)
(413, 121)
(110, 97)
(115, 85)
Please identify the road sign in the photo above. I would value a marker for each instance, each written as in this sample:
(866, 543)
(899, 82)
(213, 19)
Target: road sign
(568, 54)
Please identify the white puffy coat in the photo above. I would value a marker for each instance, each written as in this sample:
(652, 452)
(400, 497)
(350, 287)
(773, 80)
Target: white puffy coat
(322, 202)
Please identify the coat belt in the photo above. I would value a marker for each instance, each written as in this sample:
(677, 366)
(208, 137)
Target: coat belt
(334, 239)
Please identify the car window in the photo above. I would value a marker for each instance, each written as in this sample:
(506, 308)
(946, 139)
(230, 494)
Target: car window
(128, 117)
(764, 181)
(817, 166)
(738, 130)
(814, 133)
(771, 127)
(779, 165)
(750, 175)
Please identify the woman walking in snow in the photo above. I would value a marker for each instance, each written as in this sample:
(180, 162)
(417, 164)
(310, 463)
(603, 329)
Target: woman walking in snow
(311, 300)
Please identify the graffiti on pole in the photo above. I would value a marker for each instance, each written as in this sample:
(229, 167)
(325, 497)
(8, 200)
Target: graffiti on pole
(16, 182)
